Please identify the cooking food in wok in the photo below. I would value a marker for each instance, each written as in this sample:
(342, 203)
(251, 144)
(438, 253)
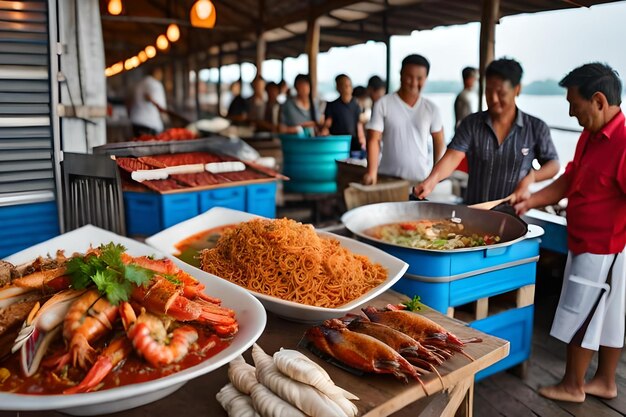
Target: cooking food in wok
(430, 234)
(436, 221)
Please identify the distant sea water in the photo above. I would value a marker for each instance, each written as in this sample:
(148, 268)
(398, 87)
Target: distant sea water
(554, 110)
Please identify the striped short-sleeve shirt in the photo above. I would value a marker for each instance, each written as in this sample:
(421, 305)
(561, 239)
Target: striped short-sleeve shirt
(496, 169)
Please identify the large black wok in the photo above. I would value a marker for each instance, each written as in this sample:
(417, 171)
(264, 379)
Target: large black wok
(510, 228)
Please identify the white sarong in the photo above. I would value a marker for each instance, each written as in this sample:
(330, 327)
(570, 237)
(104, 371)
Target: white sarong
(585, 285)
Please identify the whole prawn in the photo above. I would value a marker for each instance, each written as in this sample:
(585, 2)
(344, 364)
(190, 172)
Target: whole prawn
(89, 318)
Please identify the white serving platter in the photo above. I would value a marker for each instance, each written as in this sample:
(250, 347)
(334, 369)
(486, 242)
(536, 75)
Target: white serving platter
(166, 241)
(249, 313)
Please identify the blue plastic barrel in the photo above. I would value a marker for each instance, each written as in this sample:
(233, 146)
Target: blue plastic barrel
(310, 162)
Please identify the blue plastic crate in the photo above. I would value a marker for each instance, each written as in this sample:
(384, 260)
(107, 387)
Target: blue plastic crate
(230, 197)
(149, 213)
(25, 225)
(261, 199)
(178, 207)
(514, 325)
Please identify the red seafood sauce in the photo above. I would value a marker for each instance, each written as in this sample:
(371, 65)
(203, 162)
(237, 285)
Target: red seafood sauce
(134, 370)
(190, 247)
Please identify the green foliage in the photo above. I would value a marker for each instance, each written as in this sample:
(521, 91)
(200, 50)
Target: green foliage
(414, 304)
(109, 274)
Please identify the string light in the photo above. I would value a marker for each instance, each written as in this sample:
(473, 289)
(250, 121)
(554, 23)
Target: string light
(143, 57)
(150, 51)
(115, 7)
(173, 33)
(162, 43)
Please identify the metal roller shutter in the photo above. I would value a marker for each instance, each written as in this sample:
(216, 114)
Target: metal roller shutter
(26, 143)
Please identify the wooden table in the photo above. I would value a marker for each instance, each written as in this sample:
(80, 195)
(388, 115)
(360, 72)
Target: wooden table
(381, 395)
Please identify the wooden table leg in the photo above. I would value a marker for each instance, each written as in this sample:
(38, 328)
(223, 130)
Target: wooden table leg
(460, 399)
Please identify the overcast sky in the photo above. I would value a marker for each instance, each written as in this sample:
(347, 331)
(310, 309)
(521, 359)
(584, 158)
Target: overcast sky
(548, 45)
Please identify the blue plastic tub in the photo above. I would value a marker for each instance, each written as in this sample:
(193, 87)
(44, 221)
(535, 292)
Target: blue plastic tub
(451, 264)
(310, 162)
(25, 225)
(440, 294)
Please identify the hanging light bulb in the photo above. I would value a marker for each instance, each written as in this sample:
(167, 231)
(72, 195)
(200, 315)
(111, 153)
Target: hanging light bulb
(128, 64)
(117, 67)
(135, 62)
(162, 43)
(108, 72)
(203, 14)
(115, 7)
(143, 57)
(204, 8)
(173, 33)
(150, 51)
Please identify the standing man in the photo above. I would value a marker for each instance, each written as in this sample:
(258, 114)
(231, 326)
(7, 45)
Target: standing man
(590, 314)
(376, 88)
(463, 104)
(148, 103)
(341, 116)
(256, 102)
(402, 122)
(500, 143)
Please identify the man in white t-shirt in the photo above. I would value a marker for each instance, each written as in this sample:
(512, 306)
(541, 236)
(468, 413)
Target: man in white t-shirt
(402, 122)
(147, 105)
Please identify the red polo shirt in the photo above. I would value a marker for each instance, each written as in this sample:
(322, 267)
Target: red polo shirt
(596, 208)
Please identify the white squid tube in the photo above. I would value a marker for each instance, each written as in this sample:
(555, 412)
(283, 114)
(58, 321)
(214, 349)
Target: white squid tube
(306, 398)
(242, 375)
(269, 404)
(300, 368)
(235, 403)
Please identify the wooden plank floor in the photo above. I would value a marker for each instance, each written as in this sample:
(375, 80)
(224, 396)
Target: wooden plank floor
(506, 395)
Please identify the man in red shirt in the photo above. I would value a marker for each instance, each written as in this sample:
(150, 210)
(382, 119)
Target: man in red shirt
(590, 314)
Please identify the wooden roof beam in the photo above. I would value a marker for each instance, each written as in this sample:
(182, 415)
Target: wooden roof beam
(306, 13)
(365, 35)
(238, 9)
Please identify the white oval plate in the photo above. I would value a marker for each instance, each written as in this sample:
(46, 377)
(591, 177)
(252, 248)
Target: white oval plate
(249, 313)
(218, 216)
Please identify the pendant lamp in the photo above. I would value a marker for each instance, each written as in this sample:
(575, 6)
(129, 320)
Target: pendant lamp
(203, 14)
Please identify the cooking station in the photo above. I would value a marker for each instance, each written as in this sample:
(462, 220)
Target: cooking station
(489, 288)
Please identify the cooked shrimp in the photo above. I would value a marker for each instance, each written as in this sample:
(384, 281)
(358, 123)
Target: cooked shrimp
(89, 318)
(150, 338)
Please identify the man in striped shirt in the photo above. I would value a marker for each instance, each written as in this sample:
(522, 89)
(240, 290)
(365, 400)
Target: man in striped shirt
(500, 143)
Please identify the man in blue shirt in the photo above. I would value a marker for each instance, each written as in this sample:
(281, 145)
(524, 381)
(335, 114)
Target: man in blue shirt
(500, 144)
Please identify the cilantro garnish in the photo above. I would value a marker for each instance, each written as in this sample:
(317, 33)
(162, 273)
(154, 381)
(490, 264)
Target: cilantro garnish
(107, 271)
(414, 304)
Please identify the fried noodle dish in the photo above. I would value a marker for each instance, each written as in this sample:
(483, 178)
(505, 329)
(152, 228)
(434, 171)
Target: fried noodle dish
(289, 260)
